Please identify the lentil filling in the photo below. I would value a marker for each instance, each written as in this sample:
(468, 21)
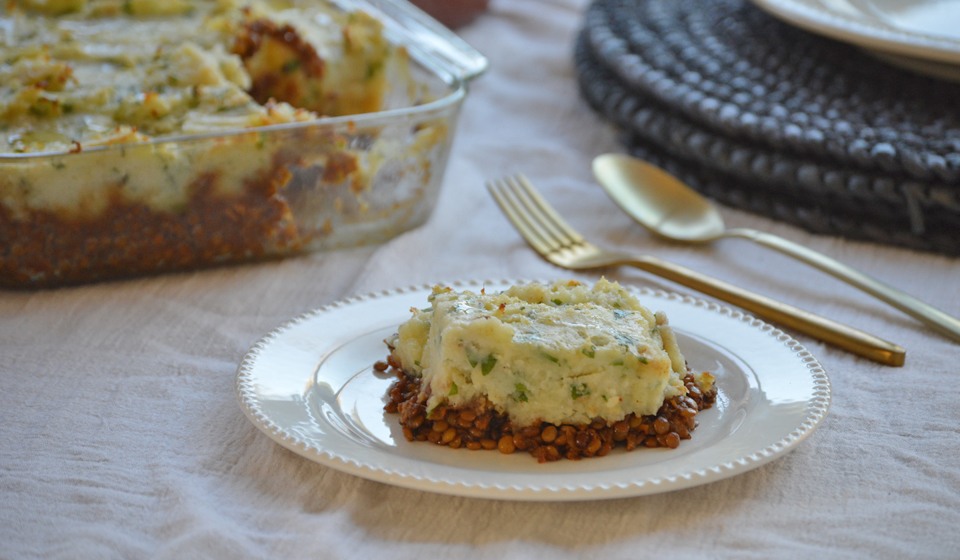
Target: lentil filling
(129, 238)
(482, 427)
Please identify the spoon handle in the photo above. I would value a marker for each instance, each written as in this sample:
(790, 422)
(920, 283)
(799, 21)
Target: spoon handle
(933, 318)
(827, 330)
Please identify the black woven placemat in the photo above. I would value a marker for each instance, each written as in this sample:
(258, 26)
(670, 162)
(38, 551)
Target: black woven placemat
(766, 117)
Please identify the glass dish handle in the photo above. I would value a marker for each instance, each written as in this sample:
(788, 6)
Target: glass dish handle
(428, 39)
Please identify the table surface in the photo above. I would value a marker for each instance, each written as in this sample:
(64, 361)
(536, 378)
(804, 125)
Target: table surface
(120, 435)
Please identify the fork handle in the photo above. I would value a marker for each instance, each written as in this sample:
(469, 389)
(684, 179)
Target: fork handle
(829, 331)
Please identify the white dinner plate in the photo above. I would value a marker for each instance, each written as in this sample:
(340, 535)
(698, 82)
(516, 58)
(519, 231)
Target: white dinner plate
(921, 35)
(310, 386)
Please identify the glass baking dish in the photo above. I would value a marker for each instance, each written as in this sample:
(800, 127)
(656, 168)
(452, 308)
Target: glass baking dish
(188, 202)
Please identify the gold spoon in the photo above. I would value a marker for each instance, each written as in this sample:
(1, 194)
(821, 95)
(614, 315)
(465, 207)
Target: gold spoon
(673, 210)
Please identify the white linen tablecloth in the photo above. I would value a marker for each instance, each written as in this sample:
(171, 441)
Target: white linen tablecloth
(120, 436)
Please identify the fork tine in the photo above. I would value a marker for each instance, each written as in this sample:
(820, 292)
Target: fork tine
(535, 214)
(531, 214)
(518, 216)
(565, 230)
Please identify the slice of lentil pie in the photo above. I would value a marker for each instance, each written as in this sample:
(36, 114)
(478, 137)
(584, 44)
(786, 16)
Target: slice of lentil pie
(563, 370)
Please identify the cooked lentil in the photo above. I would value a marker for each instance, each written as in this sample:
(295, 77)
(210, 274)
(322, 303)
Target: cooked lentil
(482, 427)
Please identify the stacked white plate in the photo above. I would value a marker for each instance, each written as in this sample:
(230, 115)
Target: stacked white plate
(919, 35)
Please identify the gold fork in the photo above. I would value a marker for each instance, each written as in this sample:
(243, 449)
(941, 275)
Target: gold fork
(557, 242)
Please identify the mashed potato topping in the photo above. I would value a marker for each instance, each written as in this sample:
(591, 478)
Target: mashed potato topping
(564, 353)
(80, 73)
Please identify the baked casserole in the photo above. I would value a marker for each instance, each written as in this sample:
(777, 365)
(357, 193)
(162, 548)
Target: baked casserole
(141, 136)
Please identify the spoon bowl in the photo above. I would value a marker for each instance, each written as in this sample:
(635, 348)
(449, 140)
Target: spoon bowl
(657, 199)
(671, 209)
